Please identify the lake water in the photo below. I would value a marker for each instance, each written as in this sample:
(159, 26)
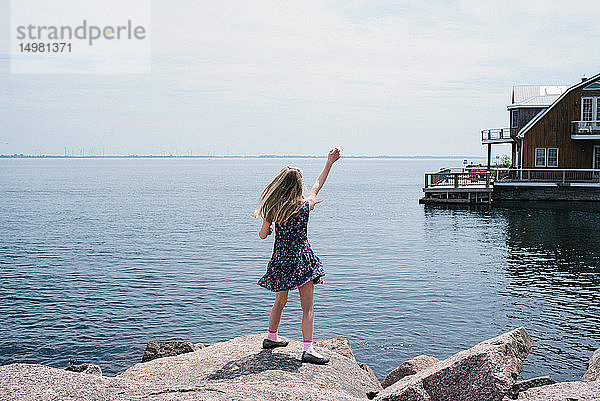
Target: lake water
(100, 256)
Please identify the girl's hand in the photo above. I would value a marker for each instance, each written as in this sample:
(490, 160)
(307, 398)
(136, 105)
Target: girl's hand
(270, 231)
(334, 155)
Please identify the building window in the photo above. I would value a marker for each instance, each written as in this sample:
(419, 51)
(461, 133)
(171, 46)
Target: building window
(587, 109)
(552, 157)
(514, 122)
(540, 157)
(597, 157)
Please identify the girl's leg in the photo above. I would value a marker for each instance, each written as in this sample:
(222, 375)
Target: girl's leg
(308, 317)
(276, 310)
(308, 310)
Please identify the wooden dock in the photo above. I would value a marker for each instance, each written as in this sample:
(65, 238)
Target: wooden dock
(446, 186)
(473, 186)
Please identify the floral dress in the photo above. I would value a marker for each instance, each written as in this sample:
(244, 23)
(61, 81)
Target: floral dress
(293, 262)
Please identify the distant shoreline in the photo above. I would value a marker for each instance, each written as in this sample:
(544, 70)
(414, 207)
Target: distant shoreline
(22, 156)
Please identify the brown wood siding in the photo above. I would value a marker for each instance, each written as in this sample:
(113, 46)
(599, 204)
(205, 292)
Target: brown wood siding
(554, 131)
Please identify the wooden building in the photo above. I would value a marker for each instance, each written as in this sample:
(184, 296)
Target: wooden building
(555, 136)
(552, 127)
(566, 135)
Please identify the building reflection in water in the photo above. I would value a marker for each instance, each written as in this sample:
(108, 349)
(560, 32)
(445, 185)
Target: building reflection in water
(551, 264)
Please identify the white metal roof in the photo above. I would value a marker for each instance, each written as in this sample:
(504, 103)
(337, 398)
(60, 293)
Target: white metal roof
(541, 114)
(536, 95)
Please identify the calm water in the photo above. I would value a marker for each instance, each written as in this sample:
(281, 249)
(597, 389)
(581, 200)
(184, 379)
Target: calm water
(97, 257)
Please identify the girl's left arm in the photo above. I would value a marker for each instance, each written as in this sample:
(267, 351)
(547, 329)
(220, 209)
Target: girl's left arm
(265, 230)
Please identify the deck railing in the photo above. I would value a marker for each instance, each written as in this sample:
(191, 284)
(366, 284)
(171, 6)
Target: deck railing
(585, 127)
(546, 175)
(495, 134)
(447, 178)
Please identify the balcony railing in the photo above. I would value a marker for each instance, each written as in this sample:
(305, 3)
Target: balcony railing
(495, 134)
(563, 176)
(448, 179)
(585, 128)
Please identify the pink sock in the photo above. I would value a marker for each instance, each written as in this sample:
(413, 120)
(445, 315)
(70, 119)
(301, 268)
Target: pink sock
(308, 347)
(272, 336)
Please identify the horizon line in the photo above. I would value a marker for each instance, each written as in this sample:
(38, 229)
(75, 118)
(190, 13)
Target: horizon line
(265, 156)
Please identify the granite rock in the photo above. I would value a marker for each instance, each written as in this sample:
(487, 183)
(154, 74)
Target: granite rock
(161, 349)
(373, 393)
(408, 368)
(241, 369)
(485, 372)
(370, 372)
(524, 385)
(87, 368)
(26, 382)
(593, 368)
(567, 391)
(238, 369)
(338, 345)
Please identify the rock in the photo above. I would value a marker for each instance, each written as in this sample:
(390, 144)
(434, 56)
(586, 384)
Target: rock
(410, 367)
(567, 391)
(370, 372)
(593, 368)
(161, 349)
(25, 382)
(241, 369)
(85, 368)
(524, 385)
(238, 369)
(339, 345)
(367, 368)
(485, 372)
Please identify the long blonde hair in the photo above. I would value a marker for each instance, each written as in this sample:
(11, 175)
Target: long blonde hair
(282, 197)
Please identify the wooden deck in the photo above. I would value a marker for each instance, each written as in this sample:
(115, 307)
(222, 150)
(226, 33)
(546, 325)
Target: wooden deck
(446, 186)
(477, 186)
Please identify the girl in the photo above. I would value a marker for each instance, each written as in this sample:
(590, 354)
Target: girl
(293, 264)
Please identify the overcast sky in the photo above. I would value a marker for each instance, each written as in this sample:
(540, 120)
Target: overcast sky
(296, 77)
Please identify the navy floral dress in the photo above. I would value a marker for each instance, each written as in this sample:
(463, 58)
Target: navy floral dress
(293, 262)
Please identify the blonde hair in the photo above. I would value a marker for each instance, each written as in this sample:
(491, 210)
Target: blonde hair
(282, 197)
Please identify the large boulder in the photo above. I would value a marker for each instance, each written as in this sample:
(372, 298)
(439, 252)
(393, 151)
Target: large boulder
(240, 368)
(26, 382)
(567, 391)
(485, 372)
(593, 369)
(408, 368)
(162, 349)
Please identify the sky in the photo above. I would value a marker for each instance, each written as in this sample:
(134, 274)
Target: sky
(298, 77)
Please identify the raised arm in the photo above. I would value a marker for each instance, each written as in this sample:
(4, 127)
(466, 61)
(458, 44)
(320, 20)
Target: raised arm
(334, 155)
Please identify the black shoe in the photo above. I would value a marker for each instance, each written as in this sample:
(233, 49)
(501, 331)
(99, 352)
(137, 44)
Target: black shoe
(268, 344)
(310, 358)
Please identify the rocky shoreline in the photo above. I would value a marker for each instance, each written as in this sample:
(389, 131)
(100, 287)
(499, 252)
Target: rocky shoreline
(239, 369)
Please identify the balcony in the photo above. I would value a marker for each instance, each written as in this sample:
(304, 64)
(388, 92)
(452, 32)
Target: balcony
(496, 135)
(585, 129)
